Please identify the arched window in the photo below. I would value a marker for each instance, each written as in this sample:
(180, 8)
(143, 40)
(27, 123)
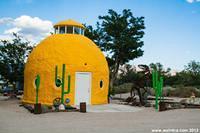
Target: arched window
(70, 29)
(56, 30)
(82, 31)
(76, 30)
(62, 30)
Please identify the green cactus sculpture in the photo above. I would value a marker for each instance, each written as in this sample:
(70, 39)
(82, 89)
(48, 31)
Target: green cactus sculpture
(157, 86)
(37, 84)
(61, 83)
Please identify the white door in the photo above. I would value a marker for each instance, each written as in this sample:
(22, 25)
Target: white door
(83, 87)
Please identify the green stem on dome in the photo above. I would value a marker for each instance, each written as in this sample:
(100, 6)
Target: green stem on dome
(37, 83)
(62, 83)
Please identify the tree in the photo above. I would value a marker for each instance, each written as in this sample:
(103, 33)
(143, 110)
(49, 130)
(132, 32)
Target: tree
(193, 67)
(168, 79)
(12, 59)
(93, 34)
(159, 67)
(190, 76)
(128, 74)
(119, 35)
(191, 73)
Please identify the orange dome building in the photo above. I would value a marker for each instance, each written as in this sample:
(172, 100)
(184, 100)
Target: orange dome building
(70, 59)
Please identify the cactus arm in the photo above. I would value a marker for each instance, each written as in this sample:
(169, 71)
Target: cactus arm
(37, 83)
(68, 90)
(56, 77)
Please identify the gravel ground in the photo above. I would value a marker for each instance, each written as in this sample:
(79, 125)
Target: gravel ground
(15, 119)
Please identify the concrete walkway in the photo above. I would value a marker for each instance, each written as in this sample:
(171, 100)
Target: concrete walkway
(112, 108)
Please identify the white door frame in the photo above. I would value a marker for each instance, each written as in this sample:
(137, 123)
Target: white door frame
(90, 85)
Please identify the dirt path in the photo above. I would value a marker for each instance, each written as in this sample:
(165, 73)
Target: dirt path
(15, 119)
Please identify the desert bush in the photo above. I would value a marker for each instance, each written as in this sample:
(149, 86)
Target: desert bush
(124, 88)
(178, 91)
(168, 91)
(183, 92)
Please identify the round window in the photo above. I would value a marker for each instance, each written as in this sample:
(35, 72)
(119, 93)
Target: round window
(58, 82)
(101, 84)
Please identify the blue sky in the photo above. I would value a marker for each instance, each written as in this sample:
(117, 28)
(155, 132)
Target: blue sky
(172, 34)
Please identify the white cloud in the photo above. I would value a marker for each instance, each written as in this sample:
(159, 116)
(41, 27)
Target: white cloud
(12, 30)
(31, 28)
(192, 1)
(5, 20)
(5, 37)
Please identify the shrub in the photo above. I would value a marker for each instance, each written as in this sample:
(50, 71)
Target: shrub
(124, 88)
(184, 92)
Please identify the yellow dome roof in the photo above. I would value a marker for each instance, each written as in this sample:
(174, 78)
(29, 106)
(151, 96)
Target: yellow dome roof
(79, 54)
(71, 49)
(69, 22)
